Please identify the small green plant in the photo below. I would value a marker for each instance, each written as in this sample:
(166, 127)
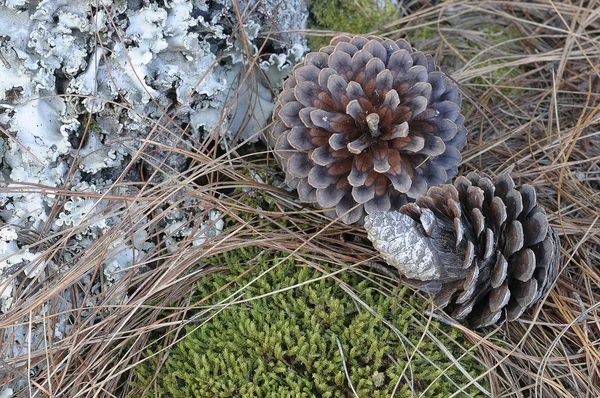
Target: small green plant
(290, 343)
(352, 16)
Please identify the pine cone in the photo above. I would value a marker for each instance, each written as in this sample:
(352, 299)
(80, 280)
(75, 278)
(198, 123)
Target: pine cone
(485, 250)
(365, 123)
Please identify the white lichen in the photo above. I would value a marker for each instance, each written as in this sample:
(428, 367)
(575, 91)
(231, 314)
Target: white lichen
(13, 256)
(85, 89)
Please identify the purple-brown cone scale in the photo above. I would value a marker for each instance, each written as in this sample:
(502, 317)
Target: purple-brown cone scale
(366, 123)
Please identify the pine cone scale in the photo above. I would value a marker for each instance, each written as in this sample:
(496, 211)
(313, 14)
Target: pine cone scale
(289, 114)
(463, 310)
(390, 102)
(499, 298)
(513, 238)
(528, 198)
(497, 213)
(524, 292)
(341, 62)
(301, 139)
(522, 265)
(325, 156)
(310, 94)
(297, 165)
(500, 270)
(363, 193)
(318, 59)
(536, 228)
(331, 195)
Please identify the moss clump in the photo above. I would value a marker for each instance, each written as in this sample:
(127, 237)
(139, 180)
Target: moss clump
(352, 16)
(285, 344)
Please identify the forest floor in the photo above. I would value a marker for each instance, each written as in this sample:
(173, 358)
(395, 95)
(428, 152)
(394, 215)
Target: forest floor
(529, 72)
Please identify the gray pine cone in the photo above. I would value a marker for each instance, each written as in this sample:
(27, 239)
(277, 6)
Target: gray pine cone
(366, 123)
(485, 250)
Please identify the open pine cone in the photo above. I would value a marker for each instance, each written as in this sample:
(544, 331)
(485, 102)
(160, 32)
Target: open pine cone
(485, 250)
(365, 123)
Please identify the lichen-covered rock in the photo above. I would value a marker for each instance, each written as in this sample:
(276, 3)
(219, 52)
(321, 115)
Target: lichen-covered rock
(113, 91)
(93, 97)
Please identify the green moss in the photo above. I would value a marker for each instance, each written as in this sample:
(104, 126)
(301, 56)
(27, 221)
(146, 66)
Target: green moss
(423, 33)
(352, 16)
(286, 344)
(87, 121)
(94, 126)
(503, 37)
